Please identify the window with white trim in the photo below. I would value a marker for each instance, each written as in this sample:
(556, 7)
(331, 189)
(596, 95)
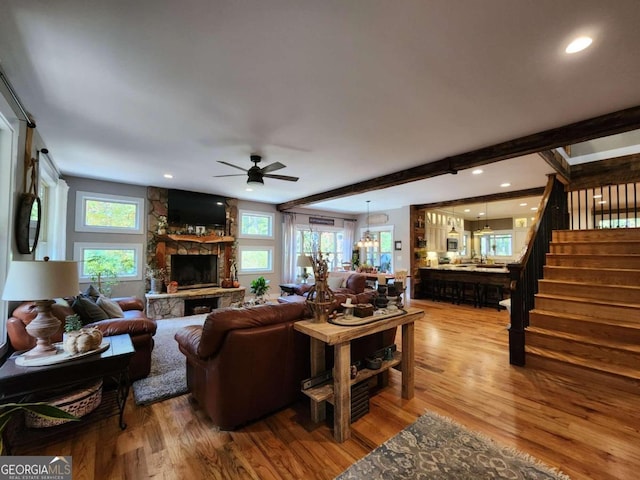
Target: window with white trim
(255, 259)
(255, 224)
(497, 244)
(122, 260)
(327, 240)
(104, 213)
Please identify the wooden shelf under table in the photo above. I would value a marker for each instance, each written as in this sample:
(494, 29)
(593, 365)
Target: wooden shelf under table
(324, 392)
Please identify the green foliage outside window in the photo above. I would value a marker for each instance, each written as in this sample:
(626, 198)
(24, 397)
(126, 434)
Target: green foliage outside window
(104, 267)
(254, 260)
(110, 214)
(253, 224)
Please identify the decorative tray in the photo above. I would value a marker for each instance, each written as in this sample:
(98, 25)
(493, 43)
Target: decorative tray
(357, 321)
(59, 357)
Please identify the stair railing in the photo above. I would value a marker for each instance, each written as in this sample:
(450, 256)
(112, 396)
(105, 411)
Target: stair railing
(552, 215)
(604, 206)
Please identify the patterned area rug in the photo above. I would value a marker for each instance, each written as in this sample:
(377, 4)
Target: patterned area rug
(167, 378)
(437, 448)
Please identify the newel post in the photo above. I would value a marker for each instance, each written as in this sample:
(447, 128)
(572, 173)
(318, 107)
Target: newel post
(516, 329)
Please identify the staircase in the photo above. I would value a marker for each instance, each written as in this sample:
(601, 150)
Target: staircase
(586, 320)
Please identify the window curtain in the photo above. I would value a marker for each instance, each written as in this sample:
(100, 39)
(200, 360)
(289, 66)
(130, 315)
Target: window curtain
(348, 239)
(289, 248)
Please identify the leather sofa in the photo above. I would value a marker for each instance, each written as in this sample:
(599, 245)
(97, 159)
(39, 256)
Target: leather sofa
(135, 323)
(243, 364)
(354, 287)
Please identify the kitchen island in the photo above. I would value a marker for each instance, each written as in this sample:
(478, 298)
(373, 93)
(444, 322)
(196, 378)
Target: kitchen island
(478, 284)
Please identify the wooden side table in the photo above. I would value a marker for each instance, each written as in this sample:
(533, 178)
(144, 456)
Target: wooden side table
(339, 393)
(20, 383)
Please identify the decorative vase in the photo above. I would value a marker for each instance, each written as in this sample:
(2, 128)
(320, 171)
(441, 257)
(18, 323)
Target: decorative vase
(156, 285)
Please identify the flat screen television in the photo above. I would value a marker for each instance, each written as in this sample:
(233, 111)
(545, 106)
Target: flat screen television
(195, 208)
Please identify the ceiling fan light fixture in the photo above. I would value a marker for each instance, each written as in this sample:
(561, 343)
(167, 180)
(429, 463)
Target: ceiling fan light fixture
(254, 178)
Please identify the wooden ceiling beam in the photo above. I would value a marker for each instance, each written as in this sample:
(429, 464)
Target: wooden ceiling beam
(558, 163)
(494, 197)
(609, 124)
(615, 170)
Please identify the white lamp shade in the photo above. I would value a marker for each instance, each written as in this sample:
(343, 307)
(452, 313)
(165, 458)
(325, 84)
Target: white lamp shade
(40, 280)
(304, 261)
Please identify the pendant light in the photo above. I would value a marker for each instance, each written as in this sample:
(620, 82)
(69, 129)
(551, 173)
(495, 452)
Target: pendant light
(368, 240)
(453, 232)
(487, 229)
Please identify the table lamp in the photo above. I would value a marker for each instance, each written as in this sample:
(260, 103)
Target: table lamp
(41, 281)
(304, 261)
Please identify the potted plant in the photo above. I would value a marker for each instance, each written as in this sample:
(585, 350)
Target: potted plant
(259, 287)
(156, 276)
(72, 323)
(162, 225)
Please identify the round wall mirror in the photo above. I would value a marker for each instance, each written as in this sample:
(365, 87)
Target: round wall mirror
(28, 222)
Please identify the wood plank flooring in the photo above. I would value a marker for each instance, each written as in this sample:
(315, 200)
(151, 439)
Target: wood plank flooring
(462, 371)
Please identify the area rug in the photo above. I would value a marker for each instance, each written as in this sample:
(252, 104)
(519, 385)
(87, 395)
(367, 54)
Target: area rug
(167, 378)
(437, 448)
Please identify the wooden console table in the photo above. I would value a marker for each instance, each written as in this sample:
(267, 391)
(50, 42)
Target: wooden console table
(339, 394)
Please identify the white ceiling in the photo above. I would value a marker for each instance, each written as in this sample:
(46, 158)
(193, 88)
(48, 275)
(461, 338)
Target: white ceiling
(338, 91)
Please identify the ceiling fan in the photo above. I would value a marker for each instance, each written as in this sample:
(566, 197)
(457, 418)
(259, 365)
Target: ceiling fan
(255, 174)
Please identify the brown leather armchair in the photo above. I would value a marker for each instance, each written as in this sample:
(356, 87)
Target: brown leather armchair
(135, 323)
(243, 364)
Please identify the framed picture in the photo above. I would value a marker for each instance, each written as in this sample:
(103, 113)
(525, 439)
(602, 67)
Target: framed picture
(398, 245)
(521, 222)
(201, 229)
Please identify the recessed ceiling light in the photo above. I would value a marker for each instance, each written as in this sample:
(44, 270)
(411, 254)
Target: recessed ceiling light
(248, 189)
(534, 208)
(477, 171)
(505, 184)
(481, 213)
(467, 210)
(523, 204)
(168, 175)
(598, 196)
(578, 45)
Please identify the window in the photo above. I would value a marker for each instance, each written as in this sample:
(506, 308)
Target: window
(328, 241)
(382, 255)
(497, 244)
(103, 213)
(256, 224)
(255, 259)
(122, 260)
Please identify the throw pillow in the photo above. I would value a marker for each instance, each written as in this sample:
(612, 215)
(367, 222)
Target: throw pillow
(111, 307)
(91, 292)
(89, 312)
(334, 282)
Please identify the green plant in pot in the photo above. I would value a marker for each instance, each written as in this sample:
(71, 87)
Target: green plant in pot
(259, 287)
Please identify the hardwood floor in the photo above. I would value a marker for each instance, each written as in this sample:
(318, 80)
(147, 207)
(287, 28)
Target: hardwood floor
(462, 371)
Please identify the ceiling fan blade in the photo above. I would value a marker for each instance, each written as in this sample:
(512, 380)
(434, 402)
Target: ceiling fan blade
(273, 167)
(234, 175)
(232, 165)
(282, 177)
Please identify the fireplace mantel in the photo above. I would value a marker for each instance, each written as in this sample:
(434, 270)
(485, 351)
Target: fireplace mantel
(196, 238)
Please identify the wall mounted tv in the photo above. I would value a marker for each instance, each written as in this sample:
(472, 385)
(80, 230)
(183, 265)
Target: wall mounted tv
(194, 208)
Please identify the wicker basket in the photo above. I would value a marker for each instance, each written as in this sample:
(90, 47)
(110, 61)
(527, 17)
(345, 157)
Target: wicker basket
(78, 402)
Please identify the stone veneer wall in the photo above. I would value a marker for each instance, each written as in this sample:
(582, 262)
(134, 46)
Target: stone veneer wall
(162, 249)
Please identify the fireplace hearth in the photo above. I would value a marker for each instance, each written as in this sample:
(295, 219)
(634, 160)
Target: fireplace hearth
(194, 271)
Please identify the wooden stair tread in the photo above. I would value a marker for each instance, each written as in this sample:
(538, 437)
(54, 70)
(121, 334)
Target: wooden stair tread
(598, 285)
(591, 255)
(595, 269)
(601, 342)
(590, 364)
(616, 322)
(607, 303)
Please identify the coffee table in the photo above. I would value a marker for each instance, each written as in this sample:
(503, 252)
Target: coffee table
(339, 393)
(19, 383)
